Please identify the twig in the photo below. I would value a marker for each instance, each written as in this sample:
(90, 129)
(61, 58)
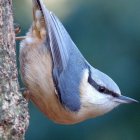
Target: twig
(20, 38)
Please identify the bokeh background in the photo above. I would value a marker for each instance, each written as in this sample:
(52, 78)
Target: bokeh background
(107, 32)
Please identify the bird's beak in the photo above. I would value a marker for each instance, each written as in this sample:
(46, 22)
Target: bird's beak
(124, 99)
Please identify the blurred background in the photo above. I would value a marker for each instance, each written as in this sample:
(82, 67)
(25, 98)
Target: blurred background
(107, 32)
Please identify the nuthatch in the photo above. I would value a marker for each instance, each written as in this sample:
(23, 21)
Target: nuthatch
(61, 82)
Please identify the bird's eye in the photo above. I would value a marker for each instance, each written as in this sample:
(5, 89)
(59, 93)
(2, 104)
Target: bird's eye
(102, 89)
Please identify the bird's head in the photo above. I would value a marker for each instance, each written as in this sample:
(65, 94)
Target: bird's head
(99, 93)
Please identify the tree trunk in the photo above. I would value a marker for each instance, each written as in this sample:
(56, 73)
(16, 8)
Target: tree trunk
(14, 116)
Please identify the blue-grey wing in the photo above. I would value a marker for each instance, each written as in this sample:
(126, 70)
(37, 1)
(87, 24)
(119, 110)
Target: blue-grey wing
(59, 41)
(68, 62)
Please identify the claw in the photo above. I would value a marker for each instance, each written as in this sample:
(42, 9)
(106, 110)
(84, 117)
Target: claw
(17, 28)
(26, 93)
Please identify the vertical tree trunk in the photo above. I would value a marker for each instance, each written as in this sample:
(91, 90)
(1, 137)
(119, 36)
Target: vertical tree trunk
(14, 116)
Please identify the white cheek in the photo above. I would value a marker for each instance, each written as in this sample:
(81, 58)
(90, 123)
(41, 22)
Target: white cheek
(89, 94)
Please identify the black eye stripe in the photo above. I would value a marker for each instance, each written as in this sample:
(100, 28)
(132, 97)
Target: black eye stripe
(101, 89)
(110, 93)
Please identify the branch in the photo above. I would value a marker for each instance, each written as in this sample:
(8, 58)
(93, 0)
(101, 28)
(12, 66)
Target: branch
(14, 117)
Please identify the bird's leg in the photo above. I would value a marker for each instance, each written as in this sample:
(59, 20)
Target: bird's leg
(20, 37)
(17, 30)
(26, 93)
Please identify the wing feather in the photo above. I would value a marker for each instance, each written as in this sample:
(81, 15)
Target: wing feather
(68, 63)
(60, 42)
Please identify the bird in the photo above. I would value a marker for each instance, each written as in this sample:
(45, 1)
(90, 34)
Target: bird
(60, 81)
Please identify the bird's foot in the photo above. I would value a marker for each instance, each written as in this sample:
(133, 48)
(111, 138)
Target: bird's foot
(26, 93)
(17, 30)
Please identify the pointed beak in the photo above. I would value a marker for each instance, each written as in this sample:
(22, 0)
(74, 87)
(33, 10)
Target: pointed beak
(124, 99)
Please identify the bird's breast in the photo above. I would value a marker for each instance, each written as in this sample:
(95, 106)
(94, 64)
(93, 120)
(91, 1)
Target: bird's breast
(36, 71)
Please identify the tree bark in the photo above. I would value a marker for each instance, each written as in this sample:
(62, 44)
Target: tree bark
(14, 117)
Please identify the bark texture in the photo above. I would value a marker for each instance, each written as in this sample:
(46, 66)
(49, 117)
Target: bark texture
(14, 117)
